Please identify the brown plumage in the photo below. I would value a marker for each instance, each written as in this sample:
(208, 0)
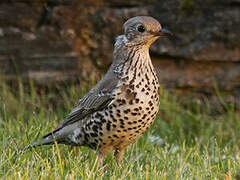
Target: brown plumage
(123, 105)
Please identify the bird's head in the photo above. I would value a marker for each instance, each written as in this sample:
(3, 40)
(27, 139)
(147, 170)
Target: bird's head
(143, 30)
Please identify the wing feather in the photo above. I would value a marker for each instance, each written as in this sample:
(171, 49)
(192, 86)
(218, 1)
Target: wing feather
(97, 99)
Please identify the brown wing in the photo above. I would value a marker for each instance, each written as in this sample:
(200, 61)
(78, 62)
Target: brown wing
(97, 99)
(90, 104)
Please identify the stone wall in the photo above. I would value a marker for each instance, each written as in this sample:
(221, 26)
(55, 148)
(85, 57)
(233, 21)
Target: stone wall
(64, 40)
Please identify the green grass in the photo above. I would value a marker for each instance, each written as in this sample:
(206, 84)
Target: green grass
(184, 142)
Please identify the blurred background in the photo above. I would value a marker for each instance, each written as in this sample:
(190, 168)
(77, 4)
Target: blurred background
(53, 51)
(63, 41)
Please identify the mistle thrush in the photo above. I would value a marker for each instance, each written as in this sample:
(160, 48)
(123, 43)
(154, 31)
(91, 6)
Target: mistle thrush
(124, 104)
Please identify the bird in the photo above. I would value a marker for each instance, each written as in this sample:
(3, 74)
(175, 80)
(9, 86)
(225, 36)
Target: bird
(123, 104)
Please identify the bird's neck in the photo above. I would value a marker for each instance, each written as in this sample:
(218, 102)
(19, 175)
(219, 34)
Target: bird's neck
(125, 51)
(134, 60)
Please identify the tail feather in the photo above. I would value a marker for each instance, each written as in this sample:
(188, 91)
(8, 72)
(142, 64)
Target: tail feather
(46, 140)
(57, 135)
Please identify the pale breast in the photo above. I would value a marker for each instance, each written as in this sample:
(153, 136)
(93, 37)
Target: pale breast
(133, 110)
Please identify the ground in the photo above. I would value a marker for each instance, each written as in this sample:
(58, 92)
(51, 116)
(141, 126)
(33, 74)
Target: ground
(186, 141)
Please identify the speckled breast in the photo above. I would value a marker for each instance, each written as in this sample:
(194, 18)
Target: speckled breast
(130, 114)
(134, 108)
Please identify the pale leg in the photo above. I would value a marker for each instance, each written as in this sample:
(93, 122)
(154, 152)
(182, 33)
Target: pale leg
(100, 159)
(118, 155)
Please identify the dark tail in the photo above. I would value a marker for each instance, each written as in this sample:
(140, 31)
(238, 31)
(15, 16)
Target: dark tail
(46, 140)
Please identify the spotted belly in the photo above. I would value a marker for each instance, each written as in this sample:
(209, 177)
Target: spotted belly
(126, 123)
(122, 122)
(131, 113)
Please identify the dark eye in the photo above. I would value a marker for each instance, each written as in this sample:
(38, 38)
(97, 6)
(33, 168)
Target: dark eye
(141, 28)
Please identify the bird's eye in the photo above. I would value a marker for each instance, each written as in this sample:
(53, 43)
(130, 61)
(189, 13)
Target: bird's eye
(141, 28)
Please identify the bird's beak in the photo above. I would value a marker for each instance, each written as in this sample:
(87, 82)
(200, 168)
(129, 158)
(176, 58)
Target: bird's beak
(164, 33)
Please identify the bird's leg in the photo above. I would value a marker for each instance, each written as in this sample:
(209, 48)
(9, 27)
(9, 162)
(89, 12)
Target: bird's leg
(74, 149)
(100, 159)
(118, 155)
